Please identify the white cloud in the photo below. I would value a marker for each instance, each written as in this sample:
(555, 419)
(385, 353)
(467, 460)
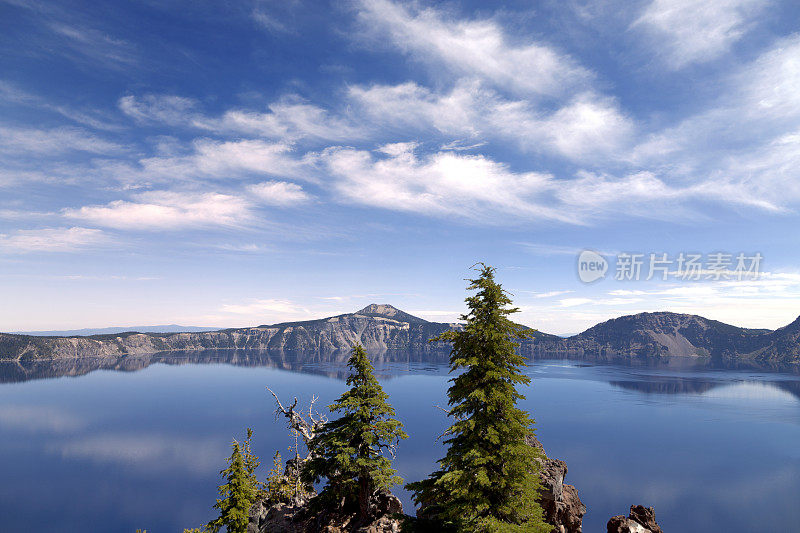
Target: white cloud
(411, 105)
(52, 240)
(288, 119)
(696, 31)
(550, 294)
(169, 210)
(55, 141)
(598, 192)
(471, 47)
(212, 159)
(573, 302)
(280, 193)
(442, 184)
(585, 127)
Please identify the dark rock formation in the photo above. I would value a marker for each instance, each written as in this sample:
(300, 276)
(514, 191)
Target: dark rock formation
(562, 506)
(640, 520)
(385, 510)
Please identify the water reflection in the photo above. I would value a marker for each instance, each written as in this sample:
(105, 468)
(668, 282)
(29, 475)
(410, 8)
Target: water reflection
(689, 385)
(389, 363)
(138, 442)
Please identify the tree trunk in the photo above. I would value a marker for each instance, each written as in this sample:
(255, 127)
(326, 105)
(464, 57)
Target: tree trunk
(364, 490)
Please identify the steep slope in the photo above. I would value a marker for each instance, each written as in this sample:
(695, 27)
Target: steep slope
(783, 346)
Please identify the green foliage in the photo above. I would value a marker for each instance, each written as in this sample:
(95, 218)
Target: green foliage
(280, 487)
(487, 480)
(350, 452)
(239, 491)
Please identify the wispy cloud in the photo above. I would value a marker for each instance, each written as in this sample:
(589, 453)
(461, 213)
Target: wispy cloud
(53, 240)
(12, 94)
(205, 160)
(695, 31)
(743, 150)
(585, 126)
(69, 33)
(279, 193)
(84, 43)
(444, 184)
(170, 109)
(288, 119)
(169, 210)
(55, 141)
(550, 294)
(472, 47)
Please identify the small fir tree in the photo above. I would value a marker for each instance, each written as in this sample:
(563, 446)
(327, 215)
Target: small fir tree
(488, 480)
(238, 492)
(350, 452)
(251, 461)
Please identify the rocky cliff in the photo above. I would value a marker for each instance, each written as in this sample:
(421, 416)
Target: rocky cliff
(645, 336)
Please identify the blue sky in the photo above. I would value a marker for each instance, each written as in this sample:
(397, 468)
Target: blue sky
(240, 163)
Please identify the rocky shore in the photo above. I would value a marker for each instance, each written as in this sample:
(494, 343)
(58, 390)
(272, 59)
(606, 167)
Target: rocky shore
(562, 508)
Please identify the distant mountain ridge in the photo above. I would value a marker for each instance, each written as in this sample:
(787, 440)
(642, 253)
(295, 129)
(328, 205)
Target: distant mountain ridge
(85, 332)
(380, 327)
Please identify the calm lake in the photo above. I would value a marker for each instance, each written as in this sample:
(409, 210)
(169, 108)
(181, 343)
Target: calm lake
(138, 443)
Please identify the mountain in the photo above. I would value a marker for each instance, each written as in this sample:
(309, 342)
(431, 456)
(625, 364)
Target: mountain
(381, 327)
(667, 334)
(377, 327)
(169, 328)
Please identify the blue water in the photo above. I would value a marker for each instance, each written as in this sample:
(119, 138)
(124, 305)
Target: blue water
(118, 450)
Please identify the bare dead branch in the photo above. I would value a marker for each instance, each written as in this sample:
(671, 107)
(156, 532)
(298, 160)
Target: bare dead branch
(442, 408)
(306, 427)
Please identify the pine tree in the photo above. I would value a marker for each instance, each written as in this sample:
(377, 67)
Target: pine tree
(238, 492)
(488, 479)
(350, 452)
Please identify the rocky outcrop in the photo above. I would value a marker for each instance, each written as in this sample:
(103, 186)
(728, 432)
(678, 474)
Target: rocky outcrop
(640, 520)
(560, 502)
(386, 513)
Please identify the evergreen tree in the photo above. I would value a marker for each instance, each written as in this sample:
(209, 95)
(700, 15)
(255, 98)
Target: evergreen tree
(238, 492)
(488, 479)
(251, 461)
(350, 452)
